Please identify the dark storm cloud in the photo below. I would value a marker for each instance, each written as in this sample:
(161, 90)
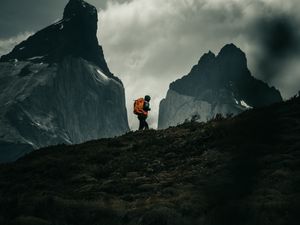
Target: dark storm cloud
(278, 39)
(31, 15)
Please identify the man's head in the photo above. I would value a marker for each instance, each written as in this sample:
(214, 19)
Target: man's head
(147, 98)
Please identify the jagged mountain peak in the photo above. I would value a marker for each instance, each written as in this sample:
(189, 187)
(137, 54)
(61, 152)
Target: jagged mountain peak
(231, 54)
(226, 70)
(74, 35)
(207, 58)
(228, 51)
(217, 84)
(231, 47)
(78, 8)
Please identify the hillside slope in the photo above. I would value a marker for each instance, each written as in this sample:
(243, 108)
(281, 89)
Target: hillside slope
(241, 170)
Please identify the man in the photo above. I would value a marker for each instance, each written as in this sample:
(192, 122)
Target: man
(141, 108)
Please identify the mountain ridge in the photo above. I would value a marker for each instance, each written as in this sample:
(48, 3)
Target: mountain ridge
(233, 60)
(218, 84)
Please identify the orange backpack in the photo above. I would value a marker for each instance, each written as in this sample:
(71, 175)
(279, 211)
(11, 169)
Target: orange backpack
(138, 106)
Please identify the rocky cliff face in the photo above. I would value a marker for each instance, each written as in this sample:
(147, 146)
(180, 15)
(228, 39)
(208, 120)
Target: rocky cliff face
(217, 84)
(56, 87)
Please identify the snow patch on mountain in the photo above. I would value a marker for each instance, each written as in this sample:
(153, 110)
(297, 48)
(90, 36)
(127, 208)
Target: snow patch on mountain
(243, 103)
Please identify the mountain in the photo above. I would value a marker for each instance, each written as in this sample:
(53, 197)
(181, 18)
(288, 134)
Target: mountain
(240, 170)
(217, 84)
(56, 87)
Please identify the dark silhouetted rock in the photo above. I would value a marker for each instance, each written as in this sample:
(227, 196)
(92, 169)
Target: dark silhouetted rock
(217, 84)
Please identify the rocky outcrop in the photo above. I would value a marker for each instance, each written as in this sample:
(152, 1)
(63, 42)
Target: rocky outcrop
(57, 88)
(217, 84)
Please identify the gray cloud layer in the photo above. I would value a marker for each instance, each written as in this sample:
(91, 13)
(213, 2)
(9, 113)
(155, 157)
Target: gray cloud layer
(6, 45)
(151, 43)
(31, 15)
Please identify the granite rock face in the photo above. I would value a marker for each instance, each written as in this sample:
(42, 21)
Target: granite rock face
(217, 84)
(56, 88)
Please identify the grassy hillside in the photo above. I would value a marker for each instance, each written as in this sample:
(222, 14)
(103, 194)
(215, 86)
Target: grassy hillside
(241, 170)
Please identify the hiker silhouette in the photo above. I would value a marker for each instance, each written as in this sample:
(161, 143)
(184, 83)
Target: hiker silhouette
(141, 108)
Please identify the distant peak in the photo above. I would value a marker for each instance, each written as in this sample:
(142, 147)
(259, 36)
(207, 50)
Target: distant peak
(231, 45)
(231, 54)
(78, 7)
(230, 48)
(207, 57)
(210, 54)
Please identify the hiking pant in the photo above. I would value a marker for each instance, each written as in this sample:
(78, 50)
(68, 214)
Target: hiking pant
(143, 123)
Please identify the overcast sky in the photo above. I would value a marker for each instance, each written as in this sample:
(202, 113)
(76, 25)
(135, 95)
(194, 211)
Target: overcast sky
(150, 43)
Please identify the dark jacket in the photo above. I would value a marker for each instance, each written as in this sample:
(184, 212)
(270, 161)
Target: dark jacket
(146, 106)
